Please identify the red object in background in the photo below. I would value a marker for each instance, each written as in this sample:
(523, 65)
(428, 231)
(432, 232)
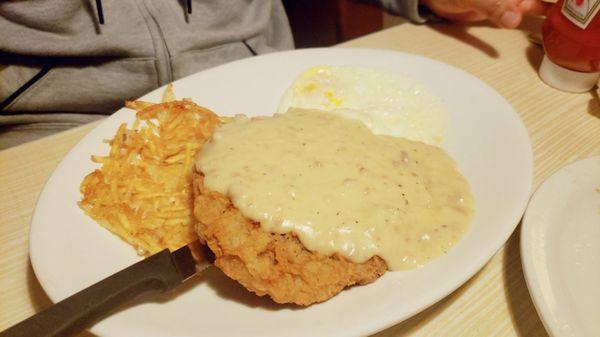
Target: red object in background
(357, 19)
(571, 37)
(320, 23)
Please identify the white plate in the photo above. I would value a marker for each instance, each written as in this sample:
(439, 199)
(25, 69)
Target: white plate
(560, 250)
(485, 135)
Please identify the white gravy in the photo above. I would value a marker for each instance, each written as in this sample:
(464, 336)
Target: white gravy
(340, 188)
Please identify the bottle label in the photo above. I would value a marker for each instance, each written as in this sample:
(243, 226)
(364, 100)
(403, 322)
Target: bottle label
(580, 12)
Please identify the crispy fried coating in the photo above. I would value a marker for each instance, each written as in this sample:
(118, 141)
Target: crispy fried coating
(272, 264)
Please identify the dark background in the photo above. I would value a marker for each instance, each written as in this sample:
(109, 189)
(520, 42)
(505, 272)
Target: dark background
(321, 23)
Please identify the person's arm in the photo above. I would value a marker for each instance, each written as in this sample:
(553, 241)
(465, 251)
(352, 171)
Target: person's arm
(405, 8)
(503, 13)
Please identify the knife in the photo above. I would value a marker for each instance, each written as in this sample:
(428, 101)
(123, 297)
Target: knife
(160, 272)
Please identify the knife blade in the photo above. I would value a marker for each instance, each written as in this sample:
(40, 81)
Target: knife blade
(161, 272)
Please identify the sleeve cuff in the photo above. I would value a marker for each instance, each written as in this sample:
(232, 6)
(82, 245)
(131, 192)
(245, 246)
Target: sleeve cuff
(409, 9)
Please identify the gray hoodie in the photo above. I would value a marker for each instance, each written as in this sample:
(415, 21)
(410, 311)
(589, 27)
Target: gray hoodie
(59, 67)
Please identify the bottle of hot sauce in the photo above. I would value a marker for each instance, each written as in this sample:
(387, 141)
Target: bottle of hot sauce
(571, 36)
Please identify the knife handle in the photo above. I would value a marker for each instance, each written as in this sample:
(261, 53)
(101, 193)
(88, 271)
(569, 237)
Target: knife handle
(79, 311)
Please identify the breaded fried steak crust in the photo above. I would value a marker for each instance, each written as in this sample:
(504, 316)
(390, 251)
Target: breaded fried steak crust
(272, 264)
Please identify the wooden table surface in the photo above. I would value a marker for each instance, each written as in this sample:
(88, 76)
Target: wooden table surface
(562, 127)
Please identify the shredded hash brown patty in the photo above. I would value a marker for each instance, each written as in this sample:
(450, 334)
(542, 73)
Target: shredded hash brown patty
(272, 264)
(142, 192)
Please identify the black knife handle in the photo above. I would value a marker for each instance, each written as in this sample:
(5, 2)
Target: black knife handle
(79, 311)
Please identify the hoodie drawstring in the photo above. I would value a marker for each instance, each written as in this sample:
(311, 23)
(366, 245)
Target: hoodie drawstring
(101, 12)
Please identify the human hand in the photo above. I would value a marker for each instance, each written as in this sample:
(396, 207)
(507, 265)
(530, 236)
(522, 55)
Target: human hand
(504, 13)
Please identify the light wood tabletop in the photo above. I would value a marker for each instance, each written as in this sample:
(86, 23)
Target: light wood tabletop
(562, 127)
